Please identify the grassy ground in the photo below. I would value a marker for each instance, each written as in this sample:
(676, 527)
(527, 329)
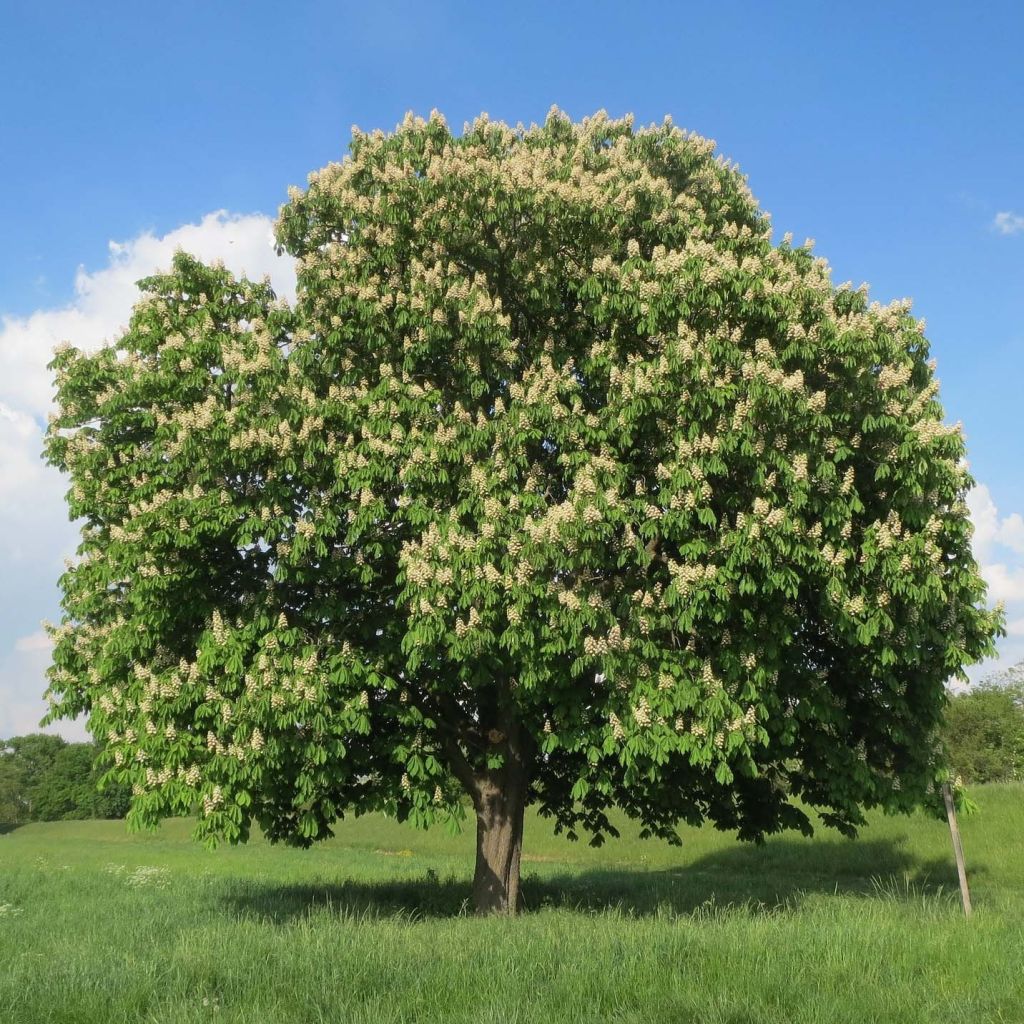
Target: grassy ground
(99, 926)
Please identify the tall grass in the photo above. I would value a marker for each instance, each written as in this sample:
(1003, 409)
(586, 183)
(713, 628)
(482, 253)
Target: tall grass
(100, 926)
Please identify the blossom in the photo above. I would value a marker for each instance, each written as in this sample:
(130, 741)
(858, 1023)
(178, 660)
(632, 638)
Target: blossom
(642, 713)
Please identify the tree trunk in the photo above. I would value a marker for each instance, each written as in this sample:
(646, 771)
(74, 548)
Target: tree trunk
(499, 798)
(500, 802)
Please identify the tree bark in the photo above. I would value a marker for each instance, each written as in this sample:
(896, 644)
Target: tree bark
(499, 842)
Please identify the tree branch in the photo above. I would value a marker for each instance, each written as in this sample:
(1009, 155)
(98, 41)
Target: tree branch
(460, 766)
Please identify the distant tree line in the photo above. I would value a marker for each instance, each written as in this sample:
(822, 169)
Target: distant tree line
(983, 729)
(45, 778)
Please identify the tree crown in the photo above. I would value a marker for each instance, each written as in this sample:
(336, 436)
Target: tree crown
(556, 459)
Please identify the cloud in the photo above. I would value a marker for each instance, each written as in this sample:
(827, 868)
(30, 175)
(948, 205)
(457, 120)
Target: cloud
(1005, 583)
(103, 299)
(991, 531)
(21, 688)
(998, 545)
(1007, 223)
(33, 642)
(35, 535)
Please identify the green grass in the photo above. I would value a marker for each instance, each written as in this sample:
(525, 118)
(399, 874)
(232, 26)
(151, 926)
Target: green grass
(100, 926)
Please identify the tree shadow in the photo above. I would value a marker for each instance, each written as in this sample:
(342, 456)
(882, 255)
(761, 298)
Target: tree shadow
(781, 875)
(9, 826)
(778, 876)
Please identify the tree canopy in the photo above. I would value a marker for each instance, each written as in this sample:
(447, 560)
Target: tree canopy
(560, 482)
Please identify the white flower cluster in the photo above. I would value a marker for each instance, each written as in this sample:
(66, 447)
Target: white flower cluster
(160, 778)
(642, 713)
(213, 800)
(148, 877)
(929, 430)
(689, 575)
(463, 626)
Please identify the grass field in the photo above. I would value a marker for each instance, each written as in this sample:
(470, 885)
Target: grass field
(100, 926)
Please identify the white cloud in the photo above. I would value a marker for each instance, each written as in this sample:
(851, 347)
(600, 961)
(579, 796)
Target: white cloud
(998, 545)
(104, 298)
(33, 642)
(1005, 583)
(35, 535)
(990, 529)
(34, 531)
(1012, 532)
(1007, 223)
(21, 689)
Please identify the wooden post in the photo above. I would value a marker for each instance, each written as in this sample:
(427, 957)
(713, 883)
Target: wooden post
(958, 850)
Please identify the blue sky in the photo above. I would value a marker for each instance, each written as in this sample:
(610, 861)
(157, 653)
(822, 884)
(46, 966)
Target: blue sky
(891, 133)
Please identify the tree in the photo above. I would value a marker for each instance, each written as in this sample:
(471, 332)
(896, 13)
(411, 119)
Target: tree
(24, 760)
(560, 483)
(71, 788)
(45, 778)
(983, 729)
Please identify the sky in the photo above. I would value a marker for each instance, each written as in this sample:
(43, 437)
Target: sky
(892, 134)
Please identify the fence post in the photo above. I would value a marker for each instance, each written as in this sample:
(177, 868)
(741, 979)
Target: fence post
(958, 850)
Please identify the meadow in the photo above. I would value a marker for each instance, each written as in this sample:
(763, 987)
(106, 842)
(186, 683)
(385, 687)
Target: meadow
(99, 926)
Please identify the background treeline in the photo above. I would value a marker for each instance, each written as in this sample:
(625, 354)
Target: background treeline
(45, 778)
(984, 729)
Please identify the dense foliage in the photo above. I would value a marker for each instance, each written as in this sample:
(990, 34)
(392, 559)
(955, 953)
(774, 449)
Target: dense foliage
(45, 778)
(983, 729)
(560, 483)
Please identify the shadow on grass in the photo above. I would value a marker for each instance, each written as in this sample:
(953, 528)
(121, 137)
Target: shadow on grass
(8, 826)
(757, 880)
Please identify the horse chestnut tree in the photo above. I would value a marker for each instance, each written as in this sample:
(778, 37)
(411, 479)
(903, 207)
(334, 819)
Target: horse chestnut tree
(558, 483)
